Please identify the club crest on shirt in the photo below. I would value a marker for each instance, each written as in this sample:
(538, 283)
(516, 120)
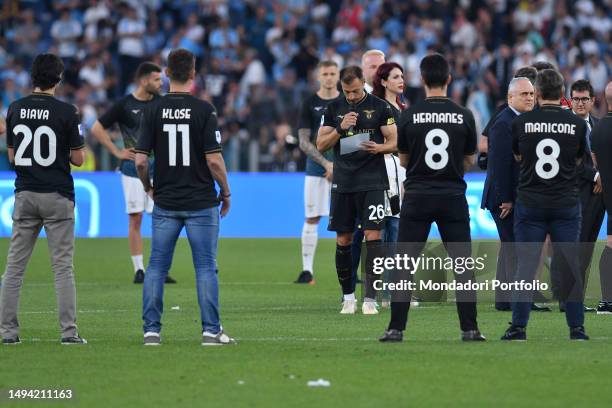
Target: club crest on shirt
(369, 113)
(318, 108)
(135, 111)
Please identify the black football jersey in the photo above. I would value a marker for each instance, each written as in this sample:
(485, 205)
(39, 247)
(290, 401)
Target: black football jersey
(43, 130)
(180, 129)
(360, 171)
(436, 133)
(601, 145)
(549, 139)
(127, 113)
(310, 118)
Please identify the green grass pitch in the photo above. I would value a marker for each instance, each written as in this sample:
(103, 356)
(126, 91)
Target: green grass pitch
(288, 334)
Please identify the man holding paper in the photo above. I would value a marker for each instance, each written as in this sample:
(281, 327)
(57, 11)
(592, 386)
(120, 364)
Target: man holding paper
(361, 129)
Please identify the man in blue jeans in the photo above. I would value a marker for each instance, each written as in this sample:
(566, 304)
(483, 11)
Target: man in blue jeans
(181, 131)
(549, 143)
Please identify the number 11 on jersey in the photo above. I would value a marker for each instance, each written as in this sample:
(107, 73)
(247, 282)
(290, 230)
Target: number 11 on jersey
(172, 129)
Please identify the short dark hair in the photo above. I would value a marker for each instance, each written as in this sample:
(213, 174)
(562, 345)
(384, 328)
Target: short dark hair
(527, 72)
(542, 65)
(350, 73)
(549, 84)
(46, 71)
(435, 70)
(327, 64)
(180, 65)
(582, 85)
(145, 69)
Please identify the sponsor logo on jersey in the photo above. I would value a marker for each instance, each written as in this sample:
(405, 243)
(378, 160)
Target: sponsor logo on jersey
(135, 111)
(318, 108)
(218, 136)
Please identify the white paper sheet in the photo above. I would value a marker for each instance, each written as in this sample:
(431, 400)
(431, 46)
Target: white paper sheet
(353, 143)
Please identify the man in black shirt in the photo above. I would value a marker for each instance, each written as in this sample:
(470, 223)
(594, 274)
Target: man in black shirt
(319, 166)
(127, 113)
(181, 131)
(361, 129)
(601, 140)
(43, 138)
(548, 142)
(437, 143)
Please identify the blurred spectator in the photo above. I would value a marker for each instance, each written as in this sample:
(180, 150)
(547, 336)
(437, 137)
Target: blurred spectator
(130, 30)
(65, 32)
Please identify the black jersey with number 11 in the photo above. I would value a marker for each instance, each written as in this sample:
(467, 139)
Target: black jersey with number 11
(437, 134)
(180, 130)
(43, 130)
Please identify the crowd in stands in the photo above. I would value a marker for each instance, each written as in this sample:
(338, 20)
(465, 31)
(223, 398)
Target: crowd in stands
(256, 58)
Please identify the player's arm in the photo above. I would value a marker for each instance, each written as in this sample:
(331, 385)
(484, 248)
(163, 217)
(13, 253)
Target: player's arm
(78, 156)
(471, 142)
(142, 168)
(102, 136)
(327, 137)
(390, 146)
(404, 159)
(310, 150)
(215, 162)
(76, 140)
(2, 125)
(330, 132)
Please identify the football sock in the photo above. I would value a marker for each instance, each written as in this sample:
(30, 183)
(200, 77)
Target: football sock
(309, 245)
(373, 249)
(343, 268)
(350, 296)
(137, 262)
(605, 274)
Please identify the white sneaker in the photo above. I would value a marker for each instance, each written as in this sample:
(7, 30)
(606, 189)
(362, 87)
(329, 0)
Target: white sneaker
(369, 308)
(219, 339)
(152, 339)
(414, 303)
(349, 307)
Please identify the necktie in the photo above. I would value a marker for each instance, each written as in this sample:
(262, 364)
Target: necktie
(588, 134)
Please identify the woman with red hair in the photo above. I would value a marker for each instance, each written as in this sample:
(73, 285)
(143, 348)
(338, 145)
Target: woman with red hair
(389, 86)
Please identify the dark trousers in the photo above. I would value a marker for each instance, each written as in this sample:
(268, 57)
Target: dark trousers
(452, 218)
(506, 258)
(530, 228)
(592, 212)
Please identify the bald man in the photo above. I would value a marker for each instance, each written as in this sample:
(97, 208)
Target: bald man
(370, 61)
(601, 141)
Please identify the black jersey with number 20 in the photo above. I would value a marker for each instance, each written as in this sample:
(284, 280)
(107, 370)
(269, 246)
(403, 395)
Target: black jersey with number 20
(549, 139)
(436, 133)
(180, 130)
(43, 130)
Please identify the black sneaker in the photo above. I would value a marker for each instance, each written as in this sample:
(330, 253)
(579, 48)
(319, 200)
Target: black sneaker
(139, 276)
(73, 340)
(515, 333)
(577, 333)
(305, 277)
(538, 308)
(472, 335)
(169, 279)
(604, 307)
(392, 336)
(12, 341)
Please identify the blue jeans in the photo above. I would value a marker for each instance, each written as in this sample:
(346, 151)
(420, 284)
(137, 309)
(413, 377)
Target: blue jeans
(530, 228)
(390, 229)
(203, 232)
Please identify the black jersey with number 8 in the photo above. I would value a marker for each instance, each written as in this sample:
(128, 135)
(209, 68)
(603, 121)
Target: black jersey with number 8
(549, 139)
(437, 134)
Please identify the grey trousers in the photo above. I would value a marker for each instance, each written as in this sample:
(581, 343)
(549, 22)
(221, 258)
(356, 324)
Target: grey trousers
(33, 211)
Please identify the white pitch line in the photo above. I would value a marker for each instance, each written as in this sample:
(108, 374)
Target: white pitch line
(44, 284)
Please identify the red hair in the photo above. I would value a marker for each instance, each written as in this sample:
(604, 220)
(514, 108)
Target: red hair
(383, 72)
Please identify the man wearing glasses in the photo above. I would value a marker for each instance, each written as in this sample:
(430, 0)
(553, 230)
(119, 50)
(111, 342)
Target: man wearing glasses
(589, 182)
